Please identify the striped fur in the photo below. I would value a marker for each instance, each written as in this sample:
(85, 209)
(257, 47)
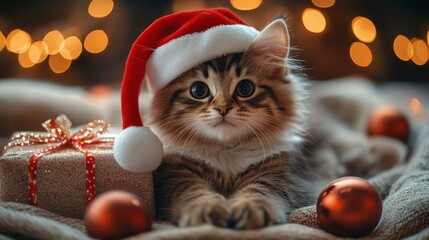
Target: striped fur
(240, 170)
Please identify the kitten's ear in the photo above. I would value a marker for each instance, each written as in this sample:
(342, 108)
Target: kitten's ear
(271, 48)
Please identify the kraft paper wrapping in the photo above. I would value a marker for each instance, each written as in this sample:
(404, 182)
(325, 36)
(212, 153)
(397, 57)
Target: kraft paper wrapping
(61, 178)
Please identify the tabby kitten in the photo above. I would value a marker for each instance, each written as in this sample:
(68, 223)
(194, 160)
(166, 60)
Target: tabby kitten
(230, 128)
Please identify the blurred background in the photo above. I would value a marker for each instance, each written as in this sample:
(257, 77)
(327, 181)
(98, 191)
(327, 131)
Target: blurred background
(85, 43)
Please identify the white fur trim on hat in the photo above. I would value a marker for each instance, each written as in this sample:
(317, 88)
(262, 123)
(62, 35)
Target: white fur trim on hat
(138, 149)
(172, 59)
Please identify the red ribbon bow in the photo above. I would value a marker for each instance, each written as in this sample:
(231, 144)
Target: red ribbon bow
(60, 135)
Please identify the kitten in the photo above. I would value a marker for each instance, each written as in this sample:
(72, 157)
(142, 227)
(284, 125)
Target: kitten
(231, 127)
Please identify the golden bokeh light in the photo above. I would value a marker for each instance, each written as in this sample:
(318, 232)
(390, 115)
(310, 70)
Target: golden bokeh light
(38, 52)
(415, 106)
(360, 54)
(55, 41)
(403, 48)
(58, 64)
(246, 5)
(24, 60)
(72, 48)
(313, 20)
(323, 3)
(364, 29)
(100, 8)
(2, 41)
(96, 41)
(18, 41)
(420, 52)
(186, 5)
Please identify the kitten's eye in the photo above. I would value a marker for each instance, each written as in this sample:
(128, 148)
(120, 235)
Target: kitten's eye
(199, 90)
(245, 88)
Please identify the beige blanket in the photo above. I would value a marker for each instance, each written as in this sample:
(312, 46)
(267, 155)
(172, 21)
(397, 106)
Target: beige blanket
(404, 188)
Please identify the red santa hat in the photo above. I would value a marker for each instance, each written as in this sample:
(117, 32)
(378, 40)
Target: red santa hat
(169, 47)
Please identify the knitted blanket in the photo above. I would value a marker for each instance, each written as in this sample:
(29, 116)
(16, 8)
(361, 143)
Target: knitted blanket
(404, 189)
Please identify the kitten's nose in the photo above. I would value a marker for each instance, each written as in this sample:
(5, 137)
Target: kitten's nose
(223, 110)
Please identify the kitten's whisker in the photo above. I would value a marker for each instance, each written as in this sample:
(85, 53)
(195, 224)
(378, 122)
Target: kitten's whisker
(182, 132)
(271, 143)
(179, 128)
(268, 133)
(175, 126)
(167, 117)
(192, 134)
(257, 136)
(272, 122)
(167, 120)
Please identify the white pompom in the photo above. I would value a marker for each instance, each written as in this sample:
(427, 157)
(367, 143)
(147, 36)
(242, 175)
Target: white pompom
(138, 149)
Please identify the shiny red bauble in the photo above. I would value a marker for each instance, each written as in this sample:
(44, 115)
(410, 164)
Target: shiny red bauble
(389, 121)
(349, 207)
(117, 214)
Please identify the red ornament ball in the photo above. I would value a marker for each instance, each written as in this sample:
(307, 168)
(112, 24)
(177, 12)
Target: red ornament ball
(389, 121)
(117, 214)
(349, 207)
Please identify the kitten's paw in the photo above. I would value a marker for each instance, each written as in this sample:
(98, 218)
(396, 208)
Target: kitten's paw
(212, 210)
(255, 213)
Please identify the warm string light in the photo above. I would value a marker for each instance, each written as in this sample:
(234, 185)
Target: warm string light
(403, 48)
(24, 60)
(38, 52)
(420, 51)
(96, 41)
(418, 111)
(100, 8)
(323, 3)
(18, 41)
(60, 50)
(364, 29)
(313, 20)
(415, 49)
(360, 54)
(72, 48)
(55, 41)
(416, 106)
(2, 41)
(60, 47)
(245, 5)
(58, 63)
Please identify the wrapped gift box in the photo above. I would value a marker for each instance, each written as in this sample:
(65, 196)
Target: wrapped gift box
(61, 178)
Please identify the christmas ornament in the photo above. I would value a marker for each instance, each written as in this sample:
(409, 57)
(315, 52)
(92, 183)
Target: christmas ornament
(389, 121)
(349, 207)
(179, 41)
(116, 215)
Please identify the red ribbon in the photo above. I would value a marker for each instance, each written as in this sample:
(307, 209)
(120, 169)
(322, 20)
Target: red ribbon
(60, 136)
